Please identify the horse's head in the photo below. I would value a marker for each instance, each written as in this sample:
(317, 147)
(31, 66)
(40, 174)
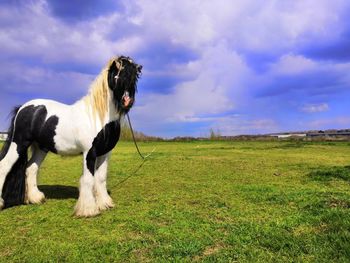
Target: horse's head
(123, 74)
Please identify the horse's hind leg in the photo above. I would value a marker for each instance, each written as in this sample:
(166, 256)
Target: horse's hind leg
(33, 195)
(6, 165)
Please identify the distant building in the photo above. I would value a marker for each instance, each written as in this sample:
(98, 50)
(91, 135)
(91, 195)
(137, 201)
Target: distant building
(345, 133)
(3, 136)
(330, 133)
(288, 135)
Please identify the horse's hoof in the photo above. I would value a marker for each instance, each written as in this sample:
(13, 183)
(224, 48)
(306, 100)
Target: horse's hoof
(84, 210)
(36, 197)
(87, 213)
(105, 204)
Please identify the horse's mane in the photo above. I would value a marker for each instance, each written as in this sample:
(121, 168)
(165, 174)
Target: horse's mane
(98, 97)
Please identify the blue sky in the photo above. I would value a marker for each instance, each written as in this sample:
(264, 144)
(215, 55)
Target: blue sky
(240, 67)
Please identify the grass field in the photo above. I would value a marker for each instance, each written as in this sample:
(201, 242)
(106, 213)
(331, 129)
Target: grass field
(195, 201)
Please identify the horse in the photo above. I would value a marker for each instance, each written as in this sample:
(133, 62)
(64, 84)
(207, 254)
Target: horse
(90, 126)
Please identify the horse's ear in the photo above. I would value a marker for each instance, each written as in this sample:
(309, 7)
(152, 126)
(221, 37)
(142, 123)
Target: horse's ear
(113, 66)
(112, 72)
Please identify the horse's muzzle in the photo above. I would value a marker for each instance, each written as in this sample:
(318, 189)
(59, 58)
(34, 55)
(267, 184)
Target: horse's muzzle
(127, 101)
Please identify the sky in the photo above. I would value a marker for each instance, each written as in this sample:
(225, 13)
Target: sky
(237, 67)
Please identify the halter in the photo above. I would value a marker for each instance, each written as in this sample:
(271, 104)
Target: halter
(120, 69)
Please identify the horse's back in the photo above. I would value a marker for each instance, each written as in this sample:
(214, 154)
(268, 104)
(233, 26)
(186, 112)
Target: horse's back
(51, 105)
(48, 123)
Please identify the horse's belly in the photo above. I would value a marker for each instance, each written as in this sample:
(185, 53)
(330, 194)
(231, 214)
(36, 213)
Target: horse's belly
(68, 149)
(66, 143)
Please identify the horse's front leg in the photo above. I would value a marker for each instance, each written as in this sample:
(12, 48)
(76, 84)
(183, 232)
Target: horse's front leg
(103, 200)
(86, 205)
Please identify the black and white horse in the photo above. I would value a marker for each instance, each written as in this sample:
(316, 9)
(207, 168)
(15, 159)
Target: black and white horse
(90, 126)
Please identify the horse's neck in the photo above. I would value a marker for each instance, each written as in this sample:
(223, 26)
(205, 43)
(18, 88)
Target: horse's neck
(112, 114)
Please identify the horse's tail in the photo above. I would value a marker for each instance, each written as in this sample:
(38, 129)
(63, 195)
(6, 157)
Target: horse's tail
(10, 132)
(13, 191)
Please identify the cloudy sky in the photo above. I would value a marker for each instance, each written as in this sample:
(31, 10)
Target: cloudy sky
(240, 67)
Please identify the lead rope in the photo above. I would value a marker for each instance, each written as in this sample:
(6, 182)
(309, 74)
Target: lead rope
(144, 158)
(133, 137)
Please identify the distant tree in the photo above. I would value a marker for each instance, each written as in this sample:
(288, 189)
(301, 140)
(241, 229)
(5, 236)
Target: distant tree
(214, 135)
(126, 134)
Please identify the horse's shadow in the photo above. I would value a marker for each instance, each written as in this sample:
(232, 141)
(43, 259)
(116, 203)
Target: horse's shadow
(59, 191)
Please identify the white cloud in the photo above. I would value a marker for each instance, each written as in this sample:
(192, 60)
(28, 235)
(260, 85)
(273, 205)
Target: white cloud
(333, 123)
(313, 108)
(290, 64)
(39, 34)
(256, 25)
(47, 82)
(216, 86)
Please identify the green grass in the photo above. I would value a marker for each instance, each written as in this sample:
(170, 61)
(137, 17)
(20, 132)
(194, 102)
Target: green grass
(194, 201)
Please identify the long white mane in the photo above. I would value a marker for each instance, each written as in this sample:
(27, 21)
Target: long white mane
(98, 98)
